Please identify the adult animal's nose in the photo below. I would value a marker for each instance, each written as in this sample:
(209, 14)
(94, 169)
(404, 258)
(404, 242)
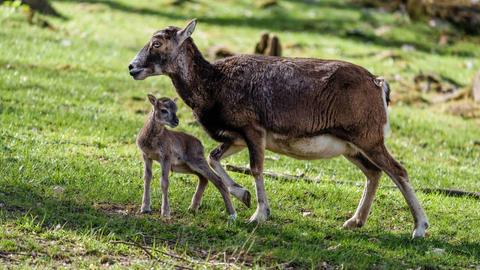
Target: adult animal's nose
(130, 67)
(135, 72)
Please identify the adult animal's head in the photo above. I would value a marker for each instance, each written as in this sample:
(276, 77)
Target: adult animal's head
(159, 55)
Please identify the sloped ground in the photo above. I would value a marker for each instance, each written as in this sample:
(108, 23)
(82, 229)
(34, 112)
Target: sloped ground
(70, 181)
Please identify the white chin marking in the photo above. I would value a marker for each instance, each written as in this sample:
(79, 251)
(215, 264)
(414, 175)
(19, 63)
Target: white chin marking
(157, 70)
(141, 76)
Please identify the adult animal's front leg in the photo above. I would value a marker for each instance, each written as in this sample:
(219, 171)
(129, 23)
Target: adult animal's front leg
(225, 150)
(255, 140)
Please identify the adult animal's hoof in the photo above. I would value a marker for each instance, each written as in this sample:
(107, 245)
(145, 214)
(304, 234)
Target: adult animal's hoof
(241, 194)
(260, 215)
(420, 230)
(353, 223)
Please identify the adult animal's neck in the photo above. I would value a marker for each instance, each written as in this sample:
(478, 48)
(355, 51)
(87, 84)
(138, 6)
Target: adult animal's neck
(193, 76)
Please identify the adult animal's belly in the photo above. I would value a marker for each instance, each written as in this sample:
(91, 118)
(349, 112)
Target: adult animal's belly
(317, 147)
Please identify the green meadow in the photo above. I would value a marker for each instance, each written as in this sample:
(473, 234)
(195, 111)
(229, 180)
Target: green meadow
(71, 174)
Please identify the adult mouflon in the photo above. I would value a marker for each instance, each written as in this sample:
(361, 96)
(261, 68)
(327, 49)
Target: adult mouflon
(177, 152)
(300, 107)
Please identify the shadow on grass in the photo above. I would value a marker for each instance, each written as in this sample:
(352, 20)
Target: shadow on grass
(280, 19)
(275, 243)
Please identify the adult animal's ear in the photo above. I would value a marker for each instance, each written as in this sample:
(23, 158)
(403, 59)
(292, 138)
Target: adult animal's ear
(175, 99)
(185, 33)
(152, 99)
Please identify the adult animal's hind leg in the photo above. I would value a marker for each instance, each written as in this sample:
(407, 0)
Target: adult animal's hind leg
(379, 155)
(197, 197)
(225, 150)
(201, 167)
(373, 174)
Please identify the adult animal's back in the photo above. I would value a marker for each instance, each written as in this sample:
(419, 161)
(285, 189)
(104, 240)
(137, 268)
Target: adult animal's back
(299, 96)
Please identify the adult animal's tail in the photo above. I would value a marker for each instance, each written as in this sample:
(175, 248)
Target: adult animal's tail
(383, 84)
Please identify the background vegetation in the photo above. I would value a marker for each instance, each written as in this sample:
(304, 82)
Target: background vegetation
(70, 179)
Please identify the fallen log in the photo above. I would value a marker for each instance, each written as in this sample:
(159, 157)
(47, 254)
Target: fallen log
(452, 192)
(289, 177)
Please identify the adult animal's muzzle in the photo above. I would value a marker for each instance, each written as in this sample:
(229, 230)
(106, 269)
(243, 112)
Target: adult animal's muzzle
(134, 71)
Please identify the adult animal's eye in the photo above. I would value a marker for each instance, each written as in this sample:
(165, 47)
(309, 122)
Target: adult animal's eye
(164, 111)
(156, 44)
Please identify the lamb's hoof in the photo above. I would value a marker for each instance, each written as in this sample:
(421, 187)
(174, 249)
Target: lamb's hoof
(145, 211)
(420, 230)
(260, 215)
(232, 219)
(353, 223)
(166, 215)
(246, 198)
(193, 209)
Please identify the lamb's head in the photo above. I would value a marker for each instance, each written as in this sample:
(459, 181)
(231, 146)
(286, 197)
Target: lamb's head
(164, 111)
(159, 55)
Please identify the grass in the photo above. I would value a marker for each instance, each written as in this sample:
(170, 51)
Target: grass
(70, 181)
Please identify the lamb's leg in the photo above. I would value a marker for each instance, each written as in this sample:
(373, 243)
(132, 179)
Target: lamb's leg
(197, 197)
(201, 167)
(225, 150)
(164, 184)
(147, 178)
(255, 140)
(373, 174)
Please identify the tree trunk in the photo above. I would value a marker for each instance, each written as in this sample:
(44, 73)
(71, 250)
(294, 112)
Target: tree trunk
(476, 87)
(42, 6)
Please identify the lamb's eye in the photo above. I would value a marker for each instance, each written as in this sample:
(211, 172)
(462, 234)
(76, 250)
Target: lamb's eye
(163, 111)
(156, 44)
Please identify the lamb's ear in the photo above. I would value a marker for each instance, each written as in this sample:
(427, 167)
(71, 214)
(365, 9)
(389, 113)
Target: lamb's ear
(185, 33)
(175, 99)
(152, 99)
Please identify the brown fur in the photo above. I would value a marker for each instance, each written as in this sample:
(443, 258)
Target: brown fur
(261, 102)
